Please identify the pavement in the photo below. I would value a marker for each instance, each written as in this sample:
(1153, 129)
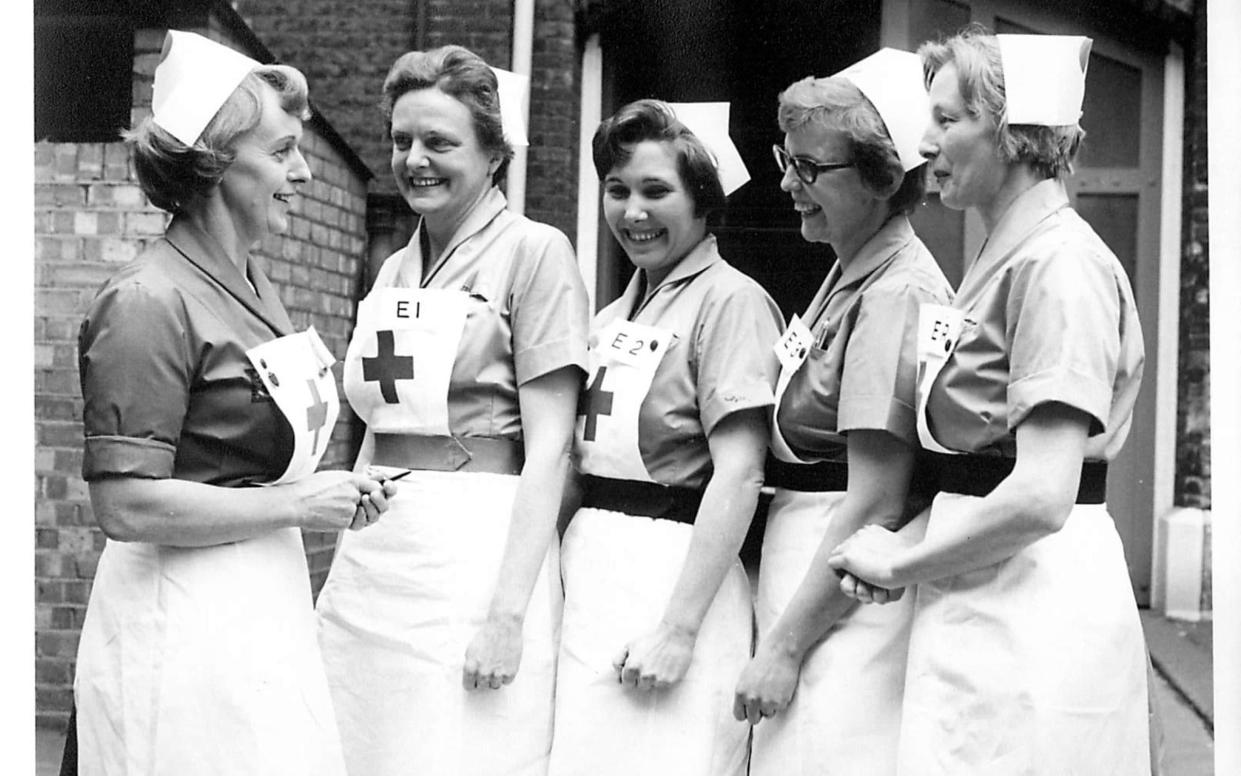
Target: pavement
(1180, 654)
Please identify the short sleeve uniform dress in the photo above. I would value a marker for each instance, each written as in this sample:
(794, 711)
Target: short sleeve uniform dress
(858, 371)
(434, 368)
(202, 660)
(664, 371)
(1013, 668)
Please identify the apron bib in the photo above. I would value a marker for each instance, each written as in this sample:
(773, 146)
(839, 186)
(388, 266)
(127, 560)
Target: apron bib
(939, 329)
(622, 363)
(791, 351)
(297, 371)
(399, 362)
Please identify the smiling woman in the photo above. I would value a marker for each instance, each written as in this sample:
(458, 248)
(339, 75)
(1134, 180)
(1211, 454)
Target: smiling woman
(670, 444)
(439, 632)
(197, 391)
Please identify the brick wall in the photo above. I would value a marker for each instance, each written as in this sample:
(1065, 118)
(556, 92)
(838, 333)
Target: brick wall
(1193, 434)
(90, 218)
(345, 48)
(555, 103)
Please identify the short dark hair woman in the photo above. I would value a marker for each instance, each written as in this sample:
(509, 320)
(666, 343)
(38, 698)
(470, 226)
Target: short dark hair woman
(198, 653)
(671, 439)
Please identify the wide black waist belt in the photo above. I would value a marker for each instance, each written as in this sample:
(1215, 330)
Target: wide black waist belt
(977, 475)
(650, 499)
(449, 454)
(807, 477)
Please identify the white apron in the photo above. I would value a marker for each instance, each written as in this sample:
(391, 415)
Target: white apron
(406, 596)
(204, 660)
(845, 715)
(1033, 665)
(619, 571)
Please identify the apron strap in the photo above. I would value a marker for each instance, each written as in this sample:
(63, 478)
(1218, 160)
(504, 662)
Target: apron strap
(646, 499)
(823, 476)
(449, 454)
(977, 475)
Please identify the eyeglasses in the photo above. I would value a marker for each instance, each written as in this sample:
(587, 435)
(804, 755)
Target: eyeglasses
(807, 169)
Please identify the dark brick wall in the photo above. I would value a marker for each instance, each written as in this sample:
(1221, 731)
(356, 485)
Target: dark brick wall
(345, 48)
(483, 26)
(555, 104)
(90, 218)
(1193, 433)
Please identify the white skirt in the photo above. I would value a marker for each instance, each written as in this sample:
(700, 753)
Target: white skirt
(403, 600)
(203, 661)
(619, 572)
(1035, 665)
(845, 716)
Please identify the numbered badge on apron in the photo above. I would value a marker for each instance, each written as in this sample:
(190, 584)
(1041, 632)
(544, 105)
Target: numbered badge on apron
(399, 362)
(939, 329)
(791, 350)
(623, 359)
(297, 371)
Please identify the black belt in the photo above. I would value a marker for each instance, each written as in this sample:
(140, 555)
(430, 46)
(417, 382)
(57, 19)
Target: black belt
(977, 475)
(649, 499)
(806, 477)
(449, 454)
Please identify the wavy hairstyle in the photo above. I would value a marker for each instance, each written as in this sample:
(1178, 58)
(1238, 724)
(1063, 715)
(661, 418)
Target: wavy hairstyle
(615, 137)
(175, 176)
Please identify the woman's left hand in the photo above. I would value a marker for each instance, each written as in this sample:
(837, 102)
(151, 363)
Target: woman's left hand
(766, 685)
(870, 555)
(492, 659)
(657, 660)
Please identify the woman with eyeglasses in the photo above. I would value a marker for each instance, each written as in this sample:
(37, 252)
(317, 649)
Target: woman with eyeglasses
(1026, 651)
(824, 687)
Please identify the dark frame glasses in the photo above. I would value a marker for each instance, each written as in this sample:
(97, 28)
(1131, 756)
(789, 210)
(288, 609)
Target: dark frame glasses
(807, 170)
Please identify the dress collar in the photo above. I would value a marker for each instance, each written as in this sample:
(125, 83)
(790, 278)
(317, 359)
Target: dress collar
(492, 204)
(1024, 215)
(205, 252)
(700, 258)
(875, 254)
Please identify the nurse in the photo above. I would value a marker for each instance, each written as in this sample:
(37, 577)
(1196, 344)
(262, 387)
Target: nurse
(198, 654)
(825, 685)
(1026, 653)
(439, 633)
(671, 437)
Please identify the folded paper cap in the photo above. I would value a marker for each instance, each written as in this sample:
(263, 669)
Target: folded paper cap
(194, 78)
(892, 80)
(1044, 77)
(709, 123)
(514, 91)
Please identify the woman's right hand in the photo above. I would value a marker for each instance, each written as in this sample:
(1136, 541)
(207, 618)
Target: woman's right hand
(336, 500)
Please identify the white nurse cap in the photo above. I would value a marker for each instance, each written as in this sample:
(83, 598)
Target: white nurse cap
(514, 91)
(892, 80)
(1044, 77)
(709, 123)
(195, 76)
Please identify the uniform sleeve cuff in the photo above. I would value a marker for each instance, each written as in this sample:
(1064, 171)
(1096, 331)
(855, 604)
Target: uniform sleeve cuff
(878, 413)
(127, 456)
(548, 357)
(1079, 391)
